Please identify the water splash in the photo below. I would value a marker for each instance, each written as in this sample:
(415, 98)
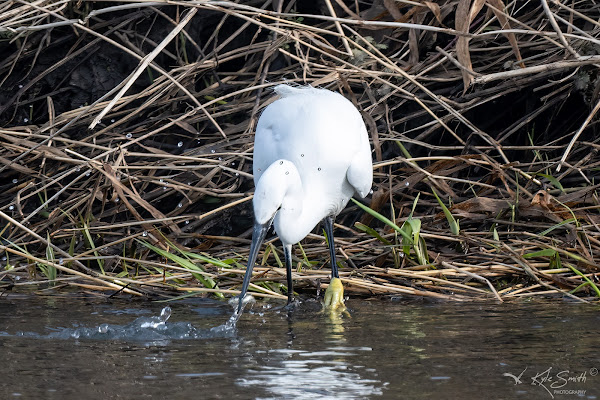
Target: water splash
(235, 302)
(144, 329)
(228, 326)
(157, 322)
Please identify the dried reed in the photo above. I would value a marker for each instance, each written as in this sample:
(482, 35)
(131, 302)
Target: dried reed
(127, 127)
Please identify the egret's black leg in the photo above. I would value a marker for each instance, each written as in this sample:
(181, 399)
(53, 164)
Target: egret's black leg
(287, 254)
(328, 223)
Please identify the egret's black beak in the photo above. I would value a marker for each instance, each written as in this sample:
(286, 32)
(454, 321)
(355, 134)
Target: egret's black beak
(258, 236)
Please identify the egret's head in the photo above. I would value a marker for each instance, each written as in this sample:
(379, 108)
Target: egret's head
(279, 187)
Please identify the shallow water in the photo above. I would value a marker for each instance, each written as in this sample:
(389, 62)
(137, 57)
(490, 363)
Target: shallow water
(73, 349)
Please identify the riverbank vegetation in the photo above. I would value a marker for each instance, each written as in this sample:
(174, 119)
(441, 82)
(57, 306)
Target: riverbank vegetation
(126, 133)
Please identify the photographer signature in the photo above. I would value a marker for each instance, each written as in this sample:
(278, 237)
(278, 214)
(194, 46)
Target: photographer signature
(554, 383)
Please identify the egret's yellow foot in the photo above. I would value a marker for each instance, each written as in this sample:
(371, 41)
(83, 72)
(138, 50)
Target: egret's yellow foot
(334, 295)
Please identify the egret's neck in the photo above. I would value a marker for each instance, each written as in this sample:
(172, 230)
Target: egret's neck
(292, 225)
(297, 205)
(278, 192)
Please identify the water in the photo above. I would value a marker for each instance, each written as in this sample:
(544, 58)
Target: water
(76, 349)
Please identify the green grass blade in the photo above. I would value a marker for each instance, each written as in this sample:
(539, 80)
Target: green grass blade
(454, 223)
(372, 232)
(415, 228)
(384, 220)
(421, 251)
(197, 271)
(50, 270)
(206, 259)
(404, 151)
(592, 284)
(566, 221)
(407, 244)
(553, 180)
(412, 211)
(495, 234)
(277, 259)
(304, 256)
(540, 253)
(555, 261)
(88, 237)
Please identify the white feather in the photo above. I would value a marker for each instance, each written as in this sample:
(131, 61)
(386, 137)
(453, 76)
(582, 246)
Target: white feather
(321, 136)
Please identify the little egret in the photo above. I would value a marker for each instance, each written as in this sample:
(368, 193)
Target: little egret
(311, 154)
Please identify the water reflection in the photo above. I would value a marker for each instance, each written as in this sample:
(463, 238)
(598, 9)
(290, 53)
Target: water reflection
(333, 371)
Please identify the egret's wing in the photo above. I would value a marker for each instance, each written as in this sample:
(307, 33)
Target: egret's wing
(360, 171)
(322, 134)
(265, 150)
(292, 128)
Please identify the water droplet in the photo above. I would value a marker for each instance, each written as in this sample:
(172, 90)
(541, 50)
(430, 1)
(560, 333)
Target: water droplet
(160, 180)
(144, 233)
(164, 188)
(237, 174)
(4, 258)
(117, 200)
(10, 208)
(31, 106)
(280, 162)
(371, 191)
(15, 180)
(318, 169)
(25, 120)
(165, 313)
(103, 328)
(129, 136)
(187, 222)
(233, 164)
(212, 151)
(20, 86)
(179, 205)
(60, 261)
(112, 120)
(406, 183)
(259, 170)
(78, 169)
(287, 172)
(220, 158)
(87, 173)
(180, 144)
(301, 155)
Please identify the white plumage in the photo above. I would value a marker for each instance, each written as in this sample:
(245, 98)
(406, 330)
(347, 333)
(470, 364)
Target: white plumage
(311, 154)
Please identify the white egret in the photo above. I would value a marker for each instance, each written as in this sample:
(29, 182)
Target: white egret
(311, 155)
